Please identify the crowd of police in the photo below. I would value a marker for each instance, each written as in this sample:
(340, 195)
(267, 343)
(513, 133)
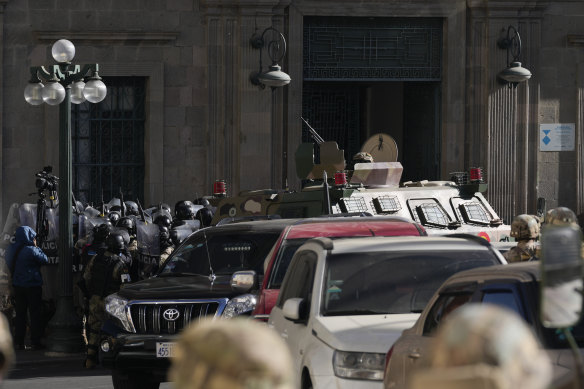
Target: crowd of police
(110, 252)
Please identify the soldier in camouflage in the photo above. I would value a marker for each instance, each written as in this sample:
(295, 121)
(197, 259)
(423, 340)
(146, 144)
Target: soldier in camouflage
(525, 230)
(105, 274)
(235, 354)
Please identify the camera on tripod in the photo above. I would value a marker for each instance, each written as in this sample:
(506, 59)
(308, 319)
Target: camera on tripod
(46, 181)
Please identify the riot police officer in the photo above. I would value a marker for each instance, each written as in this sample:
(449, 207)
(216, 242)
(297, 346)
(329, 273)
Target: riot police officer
(132, 208)
(166, 244)
(183, 210)
(525, 230)
(129, 224)
(105, 274)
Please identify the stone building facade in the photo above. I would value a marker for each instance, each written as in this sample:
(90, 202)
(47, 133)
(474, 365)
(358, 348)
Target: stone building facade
(204, 119)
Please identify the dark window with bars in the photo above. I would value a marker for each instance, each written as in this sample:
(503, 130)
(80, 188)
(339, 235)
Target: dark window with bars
(108, 143)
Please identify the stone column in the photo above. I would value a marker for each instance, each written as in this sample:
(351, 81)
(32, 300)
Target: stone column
(245, 122)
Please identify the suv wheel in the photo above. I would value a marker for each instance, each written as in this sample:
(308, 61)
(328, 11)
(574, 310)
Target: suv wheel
(132, 381)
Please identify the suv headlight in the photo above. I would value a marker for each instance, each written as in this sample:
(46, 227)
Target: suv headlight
(116, 307)
(365, 366)
(239, 305)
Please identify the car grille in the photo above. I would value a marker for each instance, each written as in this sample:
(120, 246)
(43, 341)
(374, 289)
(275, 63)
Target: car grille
(170, 317)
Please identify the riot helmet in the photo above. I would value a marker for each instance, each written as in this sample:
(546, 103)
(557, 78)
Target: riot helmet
(163, 220)
(205, 216)
(524, 227)
(560, 216)
(132, 208)
(115, 242)
(164, 233)
(101, 231)
(184, 210)
(128, 224)
(174, 236)
(114, 217)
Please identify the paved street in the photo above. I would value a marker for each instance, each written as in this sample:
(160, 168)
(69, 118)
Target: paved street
(35, 370)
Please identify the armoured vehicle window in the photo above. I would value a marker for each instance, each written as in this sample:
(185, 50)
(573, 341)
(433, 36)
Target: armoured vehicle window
(386, 204)
(352, 204)
(432, 214)
(471, 210)
(224, 253)
(474, 213)
(392, 282)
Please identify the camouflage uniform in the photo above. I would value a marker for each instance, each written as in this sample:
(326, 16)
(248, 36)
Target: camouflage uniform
(164, 254)
(235, 354)
(525, 229)
(104, 275)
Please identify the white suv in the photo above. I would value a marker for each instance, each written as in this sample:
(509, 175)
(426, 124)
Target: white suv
(343, 303)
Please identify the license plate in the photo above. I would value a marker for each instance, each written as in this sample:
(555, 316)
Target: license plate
(165, 349)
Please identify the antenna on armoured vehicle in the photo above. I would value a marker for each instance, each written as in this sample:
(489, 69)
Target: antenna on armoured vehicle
(382, 148)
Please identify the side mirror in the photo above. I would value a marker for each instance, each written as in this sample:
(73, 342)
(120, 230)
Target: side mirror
(294, 309)
(562, 268)
(243, 281)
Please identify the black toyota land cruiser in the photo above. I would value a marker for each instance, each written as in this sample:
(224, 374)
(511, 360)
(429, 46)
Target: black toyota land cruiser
(213, 273)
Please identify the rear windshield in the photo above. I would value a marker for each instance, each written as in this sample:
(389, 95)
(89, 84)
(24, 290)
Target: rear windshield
(392, 282)
(225, 253)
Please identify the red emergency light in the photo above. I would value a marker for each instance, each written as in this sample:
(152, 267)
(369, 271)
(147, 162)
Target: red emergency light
(476, 175)
(340, 178)
(219, 188)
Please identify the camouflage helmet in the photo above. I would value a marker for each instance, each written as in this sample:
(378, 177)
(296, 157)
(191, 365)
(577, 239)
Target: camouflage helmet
(493, 337)
(6, 347)
(235, 353)
(560, 216)
(362, 156)
(524, 227)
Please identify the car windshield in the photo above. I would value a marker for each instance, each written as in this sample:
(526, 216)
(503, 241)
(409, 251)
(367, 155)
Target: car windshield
(283, 261)
(226, 253)
(392, 282)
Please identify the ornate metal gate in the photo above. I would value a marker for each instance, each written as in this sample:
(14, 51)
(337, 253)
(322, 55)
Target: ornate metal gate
(343, 56)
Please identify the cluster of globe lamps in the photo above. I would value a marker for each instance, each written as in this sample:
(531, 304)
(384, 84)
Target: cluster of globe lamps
(52, 91)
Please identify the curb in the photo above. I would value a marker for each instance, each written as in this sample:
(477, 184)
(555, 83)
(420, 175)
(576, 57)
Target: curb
(27, 357)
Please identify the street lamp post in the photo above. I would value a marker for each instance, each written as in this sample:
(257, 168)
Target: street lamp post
(60, 85)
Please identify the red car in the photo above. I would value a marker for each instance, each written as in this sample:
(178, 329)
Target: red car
(295, 235)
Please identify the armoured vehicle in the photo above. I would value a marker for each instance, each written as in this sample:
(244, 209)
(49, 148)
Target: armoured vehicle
(442, 207)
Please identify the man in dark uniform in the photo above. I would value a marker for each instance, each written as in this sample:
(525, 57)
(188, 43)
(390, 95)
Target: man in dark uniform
(105, 274)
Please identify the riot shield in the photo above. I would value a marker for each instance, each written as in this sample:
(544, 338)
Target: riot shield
(148, 237)
(12, 222)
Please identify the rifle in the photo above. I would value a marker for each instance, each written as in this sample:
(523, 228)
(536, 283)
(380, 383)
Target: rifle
(317, 138)
(140, 210)
(102, 205)
(122, 205)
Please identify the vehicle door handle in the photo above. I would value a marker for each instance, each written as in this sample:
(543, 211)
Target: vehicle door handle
(414, 355)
